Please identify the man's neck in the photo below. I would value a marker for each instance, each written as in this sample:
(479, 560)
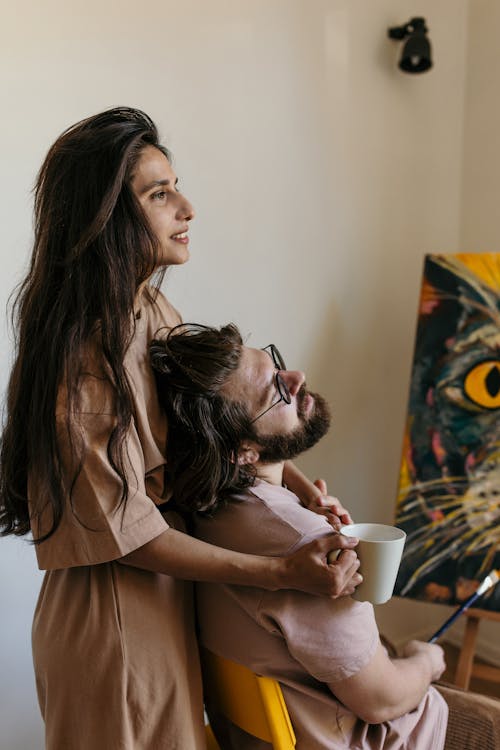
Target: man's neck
(272, 473)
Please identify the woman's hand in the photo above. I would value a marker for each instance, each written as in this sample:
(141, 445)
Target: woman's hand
(309, 569)
(331, 507)
(314, 496)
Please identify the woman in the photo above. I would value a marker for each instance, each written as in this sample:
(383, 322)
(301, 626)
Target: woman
(82, 461)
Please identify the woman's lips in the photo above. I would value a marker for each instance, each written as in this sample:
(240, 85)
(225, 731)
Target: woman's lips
(181, 237)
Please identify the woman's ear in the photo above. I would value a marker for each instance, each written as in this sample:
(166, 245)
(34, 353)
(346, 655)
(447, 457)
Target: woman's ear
(248, 453)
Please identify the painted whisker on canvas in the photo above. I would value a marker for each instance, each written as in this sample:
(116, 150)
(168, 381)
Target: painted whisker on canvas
(449, 496)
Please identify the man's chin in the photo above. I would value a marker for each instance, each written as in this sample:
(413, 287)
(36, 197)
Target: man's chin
(313, 427)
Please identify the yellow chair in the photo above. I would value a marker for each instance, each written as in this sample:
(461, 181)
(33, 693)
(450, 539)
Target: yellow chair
(255, 704)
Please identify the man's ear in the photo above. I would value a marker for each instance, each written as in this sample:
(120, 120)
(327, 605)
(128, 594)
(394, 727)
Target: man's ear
(248, 453)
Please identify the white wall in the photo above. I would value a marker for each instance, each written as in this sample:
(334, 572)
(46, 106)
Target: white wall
(480, 228)
(321, 174)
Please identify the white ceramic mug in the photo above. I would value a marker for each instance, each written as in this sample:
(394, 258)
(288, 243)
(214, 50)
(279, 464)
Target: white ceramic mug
(379, 550)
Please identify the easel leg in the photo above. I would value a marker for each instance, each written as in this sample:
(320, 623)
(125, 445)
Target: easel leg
(466, 660)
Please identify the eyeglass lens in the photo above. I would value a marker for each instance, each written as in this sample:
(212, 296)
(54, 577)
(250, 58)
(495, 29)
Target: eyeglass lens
(284, 393)
(280, 365)
(276, 357)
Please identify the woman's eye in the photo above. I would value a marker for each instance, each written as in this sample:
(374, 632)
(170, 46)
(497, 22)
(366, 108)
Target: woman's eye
(159, 196)
(482, 384)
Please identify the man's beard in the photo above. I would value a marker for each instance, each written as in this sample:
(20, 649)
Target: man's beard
(275, 448)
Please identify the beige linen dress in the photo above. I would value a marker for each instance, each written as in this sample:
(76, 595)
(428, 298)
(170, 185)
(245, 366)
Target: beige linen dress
(114, 647)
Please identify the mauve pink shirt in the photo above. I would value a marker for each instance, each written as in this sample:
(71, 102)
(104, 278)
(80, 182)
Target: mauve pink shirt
(302, 640)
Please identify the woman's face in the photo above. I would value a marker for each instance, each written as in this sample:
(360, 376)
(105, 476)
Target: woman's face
(153, 183)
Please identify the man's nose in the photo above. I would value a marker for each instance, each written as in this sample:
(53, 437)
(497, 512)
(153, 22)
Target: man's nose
(293, 379)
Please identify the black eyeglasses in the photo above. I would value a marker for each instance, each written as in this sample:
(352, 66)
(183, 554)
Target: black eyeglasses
(281, 386)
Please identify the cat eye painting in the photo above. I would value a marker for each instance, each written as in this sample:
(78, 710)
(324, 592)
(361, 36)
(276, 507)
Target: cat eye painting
(449, 489)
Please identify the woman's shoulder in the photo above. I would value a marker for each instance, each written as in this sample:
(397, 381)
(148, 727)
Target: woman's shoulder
(156, 311)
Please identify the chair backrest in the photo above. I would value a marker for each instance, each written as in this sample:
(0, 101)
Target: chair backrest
(253, 703)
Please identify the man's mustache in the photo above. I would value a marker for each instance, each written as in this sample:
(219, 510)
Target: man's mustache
(301, 397)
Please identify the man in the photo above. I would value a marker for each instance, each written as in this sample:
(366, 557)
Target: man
(235, 414)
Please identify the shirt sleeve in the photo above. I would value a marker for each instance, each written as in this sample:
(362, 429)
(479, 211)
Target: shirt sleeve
(332, 639)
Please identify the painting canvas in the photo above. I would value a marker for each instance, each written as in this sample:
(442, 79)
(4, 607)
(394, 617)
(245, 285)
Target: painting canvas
(449, 488)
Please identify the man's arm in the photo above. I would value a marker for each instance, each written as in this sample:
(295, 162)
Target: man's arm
(386, 688)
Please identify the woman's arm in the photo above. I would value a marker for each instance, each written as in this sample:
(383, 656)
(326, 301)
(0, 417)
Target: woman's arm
(177, 554)
(314, 495)
(388, 688)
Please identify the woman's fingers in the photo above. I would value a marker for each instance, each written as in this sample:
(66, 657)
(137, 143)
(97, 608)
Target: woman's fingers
(331, 504)
(310, 570)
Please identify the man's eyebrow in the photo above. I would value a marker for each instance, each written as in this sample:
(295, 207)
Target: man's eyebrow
(156, 183)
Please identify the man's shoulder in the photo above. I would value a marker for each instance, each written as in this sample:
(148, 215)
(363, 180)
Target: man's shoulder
(264, 519)
(284, 506)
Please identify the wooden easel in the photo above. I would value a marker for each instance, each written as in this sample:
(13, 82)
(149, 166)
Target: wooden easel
(466, 668)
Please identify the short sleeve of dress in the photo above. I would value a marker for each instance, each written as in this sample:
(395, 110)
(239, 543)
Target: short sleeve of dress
(97, 526)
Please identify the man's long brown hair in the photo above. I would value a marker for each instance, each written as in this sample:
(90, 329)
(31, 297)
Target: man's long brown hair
(192, 364)
(93, 248)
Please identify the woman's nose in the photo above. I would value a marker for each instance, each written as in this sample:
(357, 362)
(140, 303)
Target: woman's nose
(293, 380)
(185, 210)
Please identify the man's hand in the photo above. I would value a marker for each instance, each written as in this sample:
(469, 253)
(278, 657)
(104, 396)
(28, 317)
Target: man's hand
(308, 569)
(331, 507)
(431, 651)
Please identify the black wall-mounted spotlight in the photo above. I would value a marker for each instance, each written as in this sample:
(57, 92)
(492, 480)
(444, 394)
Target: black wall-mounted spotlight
(416, 54)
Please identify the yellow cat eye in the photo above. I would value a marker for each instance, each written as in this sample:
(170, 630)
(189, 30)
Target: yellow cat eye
(482, 384)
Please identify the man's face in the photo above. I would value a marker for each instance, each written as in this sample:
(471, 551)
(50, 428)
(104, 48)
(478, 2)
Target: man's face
(286, 430)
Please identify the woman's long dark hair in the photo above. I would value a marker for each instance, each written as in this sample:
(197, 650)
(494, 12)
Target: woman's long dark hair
(93, 248)
(192, 364)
